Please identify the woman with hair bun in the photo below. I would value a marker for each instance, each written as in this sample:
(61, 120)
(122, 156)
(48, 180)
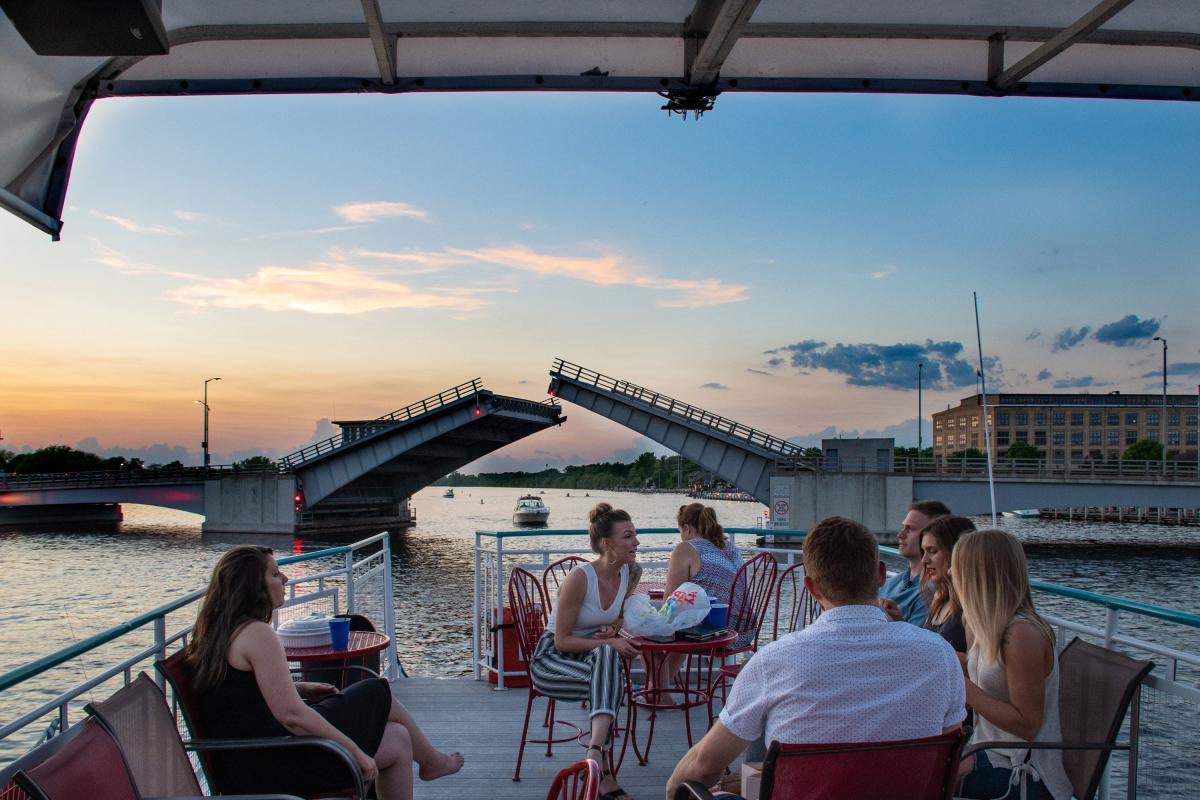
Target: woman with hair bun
(581, 656)
(1012, 673)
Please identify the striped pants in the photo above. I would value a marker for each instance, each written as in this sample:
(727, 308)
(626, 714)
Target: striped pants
(597, 676)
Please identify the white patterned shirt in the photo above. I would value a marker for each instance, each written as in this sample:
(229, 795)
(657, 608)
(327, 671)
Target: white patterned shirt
(851, 675)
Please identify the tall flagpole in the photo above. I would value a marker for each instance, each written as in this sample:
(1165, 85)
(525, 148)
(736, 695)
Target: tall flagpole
(987, 435)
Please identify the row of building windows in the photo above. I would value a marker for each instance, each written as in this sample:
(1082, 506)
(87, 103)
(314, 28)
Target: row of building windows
(1059, 419)
(1110, 438)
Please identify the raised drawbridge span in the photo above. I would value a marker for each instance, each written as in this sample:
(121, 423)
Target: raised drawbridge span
(737, 453)
(399, 453)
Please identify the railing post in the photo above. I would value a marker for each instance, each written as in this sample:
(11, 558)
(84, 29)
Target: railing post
(160, 645)
(350, 582)
(477, 611)
(499, 626)
(389, 606)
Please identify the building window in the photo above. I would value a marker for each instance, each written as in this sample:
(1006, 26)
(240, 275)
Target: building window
(1114, 419)
(1002, 438)
(1094, 418)
(1059, 456)
(937, 424)
(1076, 437)
(1039, 418)
(962, 440)
(1114, 455)
(937, 440)
(1002, 418)
(1022, 437)
(1152, 435)
(974, 440)
(1130, 437)
(1173, 418)
(1076, 417)
(1060, 437)
(1022, 418)
(974, 422)
(962, 422)
(1060, 418)
(1039, 438)
(1077, 455)
(1172, 438)
(1191, 420)
(1094, 437)
(1114, 438)
(1191, 437)
(1151, 417)
(1131, 418)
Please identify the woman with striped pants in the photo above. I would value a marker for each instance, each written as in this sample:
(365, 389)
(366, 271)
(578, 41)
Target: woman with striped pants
(580, 656)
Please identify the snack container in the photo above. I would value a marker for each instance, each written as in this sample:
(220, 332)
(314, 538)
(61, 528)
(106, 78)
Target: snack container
(312, 631)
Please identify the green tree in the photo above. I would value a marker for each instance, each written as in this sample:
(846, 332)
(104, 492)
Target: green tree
(6, 456)
(969, 453)
(1022, 451)
(58, 458)
(255, 462)
(1143, 450)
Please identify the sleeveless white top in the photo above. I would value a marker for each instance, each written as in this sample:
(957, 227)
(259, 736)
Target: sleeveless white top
(591, 614)
(1047, 764)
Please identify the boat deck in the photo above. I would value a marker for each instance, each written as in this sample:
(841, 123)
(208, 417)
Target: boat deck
(470, 716)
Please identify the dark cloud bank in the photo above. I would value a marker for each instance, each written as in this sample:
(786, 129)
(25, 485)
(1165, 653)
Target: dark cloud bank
(891, 366)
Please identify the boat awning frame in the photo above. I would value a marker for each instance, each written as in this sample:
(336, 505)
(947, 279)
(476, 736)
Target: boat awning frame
(688, 51)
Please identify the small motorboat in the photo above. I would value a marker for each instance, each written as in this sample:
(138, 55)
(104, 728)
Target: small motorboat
(448, 493)
(1023, 512)
(530, 510)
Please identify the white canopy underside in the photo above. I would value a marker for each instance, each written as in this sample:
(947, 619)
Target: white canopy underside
(689, 50)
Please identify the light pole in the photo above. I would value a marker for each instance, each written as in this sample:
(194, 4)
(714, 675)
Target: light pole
(204, 402)
(920, 367)
(1163, 421)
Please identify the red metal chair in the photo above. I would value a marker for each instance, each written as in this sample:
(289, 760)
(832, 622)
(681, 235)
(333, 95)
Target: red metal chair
(556, 573)
(527, 599)
(801, 607)
(91, 765)
(580, 781)
(748, 599)
(912, 769)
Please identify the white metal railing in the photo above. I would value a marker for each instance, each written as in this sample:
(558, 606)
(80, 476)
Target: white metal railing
(354, 578)
(1169, 726)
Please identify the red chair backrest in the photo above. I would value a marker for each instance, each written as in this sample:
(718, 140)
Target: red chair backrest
(556, 573)
(527, 600)
(91, 765)
(580, 781)
(178, 672)
(912, 769)
(750, 594)
(794, 606)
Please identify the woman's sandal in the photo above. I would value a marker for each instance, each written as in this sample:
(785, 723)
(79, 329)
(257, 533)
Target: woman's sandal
(615, 794)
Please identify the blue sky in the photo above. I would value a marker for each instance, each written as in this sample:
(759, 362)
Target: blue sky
(784, 261)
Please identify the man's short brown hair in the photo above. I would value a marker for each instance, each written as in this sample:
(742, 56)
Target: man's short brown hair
(931, 508)
(842, 558)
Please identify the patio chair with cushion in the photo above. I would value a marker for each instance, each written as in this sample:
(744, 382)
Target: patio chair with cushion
(911, 769)
(178, 673)
(580, 781)
(1097, 687)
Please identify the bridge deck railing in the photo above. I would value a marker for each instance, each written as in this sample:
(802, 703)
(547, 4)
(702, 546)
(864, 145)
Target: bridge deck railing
(673, 407)
(126, 477)
(471, 388)
(976, 468)
(355, 578)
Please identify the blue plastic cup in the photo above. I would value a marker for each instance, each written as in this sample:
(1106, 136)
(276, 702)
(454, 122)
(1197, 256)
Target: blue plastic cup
(718, 615)
(339, 633)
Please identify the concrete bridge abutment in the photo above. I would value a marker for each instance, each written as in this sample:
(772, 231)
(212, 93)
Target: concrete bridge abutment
(252, 502)
(877, 500)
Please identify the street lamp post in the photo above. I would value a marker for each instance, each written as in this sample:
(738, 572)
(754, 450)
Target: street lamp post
(204, 402)
(920, 368)
(1163, 422)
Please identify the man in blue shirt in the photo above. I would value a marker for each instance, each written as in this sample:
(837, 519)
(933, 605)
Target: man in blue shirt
(901, 596)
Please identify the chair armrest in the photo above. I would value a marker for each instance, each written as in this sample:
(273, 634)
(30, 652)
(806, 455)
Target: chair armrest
(275, 742)
(339, 668)
(974, 748)
(693, 790)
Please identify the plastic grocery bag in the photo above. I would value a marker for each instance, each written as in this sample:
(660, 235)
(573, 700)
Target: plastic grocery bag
(687, 606)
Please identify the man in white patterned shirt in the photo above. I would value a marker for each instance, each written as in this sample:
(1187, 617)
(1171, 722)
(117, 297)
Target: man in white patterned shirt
(850, 676)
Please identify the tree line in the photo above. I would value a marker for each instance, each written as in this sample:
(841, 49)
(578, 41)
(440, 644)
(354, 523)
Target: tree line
(645, 471)
(60, 458)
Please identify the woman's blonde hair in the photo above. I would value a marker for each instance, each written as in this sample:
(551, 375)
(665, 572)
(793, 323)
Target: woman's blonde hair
(704, 519)
(991, 577)
(946, 529)
(601, 520)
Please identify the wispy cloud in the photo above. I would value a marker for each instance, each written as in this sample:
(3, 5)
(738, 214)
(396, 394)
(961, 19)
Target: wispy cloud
(713, 385)
(192, 216)
(1033, 334)
(1068, 338)
(759, 372)
(1177, 369)
(136, 227)
(1045, 375)
(1082, 382)
(115, 259)
(1129, 331)
(609, 269)
(892, 366)
(888, 271)
(371, 211)
(426, 261)
(322, 288)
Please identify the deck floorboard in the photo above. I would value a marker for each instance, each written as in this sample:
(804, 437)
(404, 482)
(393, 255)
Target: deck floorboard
(485, 725)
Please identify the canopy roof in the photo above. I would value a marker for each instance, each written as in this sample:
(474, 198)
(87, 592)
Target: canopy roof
(689, 51)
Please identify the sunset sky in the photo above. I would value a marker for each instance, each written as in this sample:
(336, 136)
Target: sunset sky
(785, 261)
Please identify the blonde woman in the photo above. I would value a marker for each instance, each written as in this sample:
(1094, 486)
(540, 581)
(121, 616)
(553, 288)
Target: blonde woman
(1012, 673)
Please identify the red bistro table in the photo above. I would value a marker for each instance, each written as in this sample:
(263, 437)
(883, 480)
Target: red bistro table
(361, 644)
(694, 691)
(653, 588)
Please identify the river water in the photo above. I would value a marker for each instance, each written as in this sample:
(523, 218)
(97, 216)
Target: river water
(61, 586)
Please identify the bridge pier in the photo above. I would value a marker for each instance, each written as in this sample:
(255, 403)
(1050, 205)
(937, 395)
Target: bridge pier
(250, 502)
(878, 500)
(70, 514)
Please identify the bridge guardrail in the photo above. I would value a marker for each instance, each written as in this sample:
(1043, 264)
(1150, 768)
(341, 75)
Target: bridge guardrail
(1151, 471)
(125, 477)
(471, 388)
(673, 407)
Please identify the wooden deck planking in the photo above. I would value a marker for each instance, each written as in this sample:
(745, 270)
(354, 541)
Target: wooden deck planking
(466, 715)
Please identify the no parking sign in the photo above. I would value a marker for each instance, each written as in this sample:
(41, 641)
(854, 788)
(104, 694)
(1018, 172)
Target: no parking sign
(782, 509)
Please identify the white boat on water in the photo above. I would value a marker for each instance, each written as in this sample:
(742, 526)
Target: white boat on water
(530, 510)
(1023, 512)
(448, 493)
